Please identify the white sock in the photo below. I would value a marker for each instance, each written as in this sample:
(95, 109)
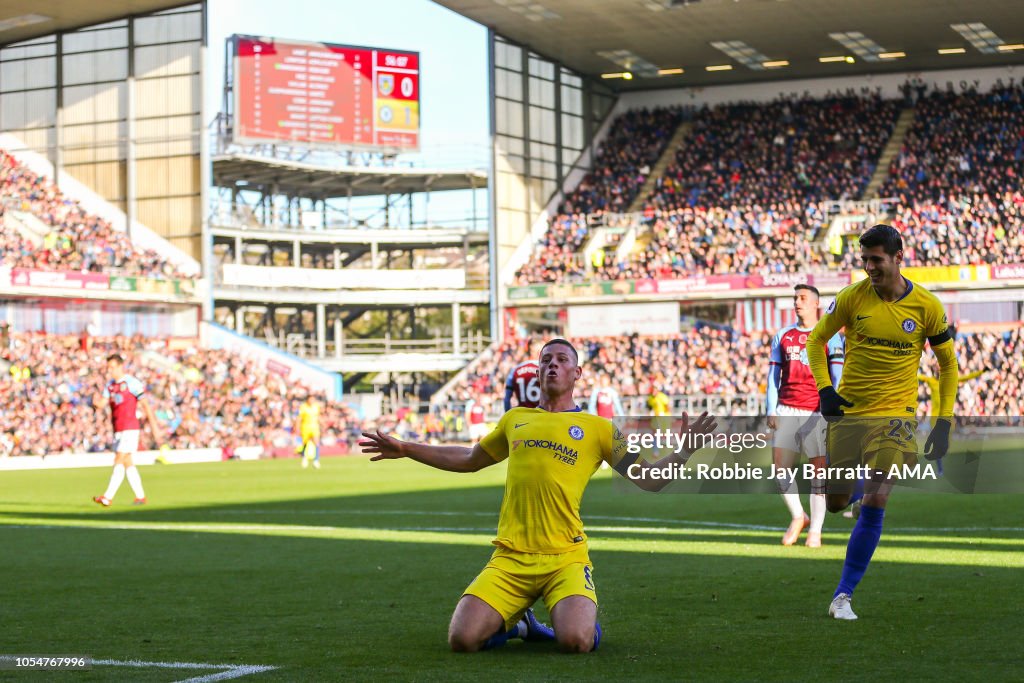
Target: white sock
(116, 477)
(793, 503)
(791, 495)
(135, 481)
(817, 512)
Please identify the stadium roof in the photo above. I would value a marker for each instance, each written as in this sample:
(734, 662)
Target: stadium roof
(26, 19)
(595, 37)
(301, 179)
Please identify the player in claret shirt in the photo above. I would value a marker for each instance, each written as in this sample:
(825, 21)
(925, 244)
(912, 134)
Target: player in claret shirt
(605, 401)
(522, 384)
(125, 393)
(793, 412)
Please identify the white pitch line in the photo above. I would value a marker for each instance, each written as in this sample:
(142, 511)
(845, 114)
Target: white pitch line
(670, 525)
(229, 671)
(679, 523)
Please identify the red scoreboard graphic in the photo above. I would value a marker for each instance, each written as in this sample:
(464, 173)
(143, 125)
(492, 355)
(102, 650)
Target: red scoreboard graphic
(325, 95)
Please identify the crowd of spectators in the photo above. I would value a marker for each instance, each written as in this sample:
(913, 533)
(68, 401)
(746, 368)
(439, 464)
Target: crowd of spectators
(52, 388)
(52, 393)
(77, 241)
(705, 360)
(999, 356)
(958, 179)
(965, 142)
(748, 187)
(792, 150)
(719, 363)
(622, 165)
(687, 241)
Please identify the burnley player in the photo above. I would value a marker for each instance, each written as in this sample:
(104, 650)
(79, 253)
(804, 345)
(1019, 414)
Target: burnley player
(887, 320)
(125, 392)
(604, 400)
(793, 412)
(522, 384)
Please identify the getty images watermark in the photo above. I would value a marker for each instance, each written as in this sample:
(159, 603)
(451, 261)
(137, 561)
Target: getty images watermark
(986, 454)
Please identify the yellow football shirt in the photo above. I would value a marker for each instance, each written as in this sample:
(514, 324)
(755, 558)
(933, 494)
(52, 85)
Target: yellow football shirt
(551, 457)
(884, 342)
(659, 404)
(309, 420)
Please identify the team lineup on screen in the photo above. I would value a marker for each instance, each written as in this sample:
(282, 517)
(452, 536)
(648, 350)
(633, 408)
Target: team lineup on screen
(323, 94)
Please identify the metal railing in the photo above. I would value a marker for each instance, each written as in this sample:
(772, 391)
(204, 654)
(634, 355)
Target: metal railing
(875, 207)
(474, 281)
(736, 405)
(304, 347)
(248, 218)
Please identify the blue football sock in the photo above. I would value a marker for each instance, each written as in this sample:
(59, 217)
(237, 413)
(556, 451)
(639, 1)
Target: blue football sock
(502, 637)
(597, 636)
(863, 541)
(858, 492)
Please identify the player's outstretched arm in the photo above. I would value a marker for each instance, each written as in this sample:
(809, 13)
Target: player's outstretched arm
(972, 375)
(448, 458)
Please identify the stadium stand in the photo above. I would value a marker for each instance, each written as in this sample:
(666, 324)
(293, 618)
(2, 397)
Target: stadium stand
(715, 361)
(53, 390)
(623, 162)
(962, 142)
(702, 361)
(42, 229)
(792, 150)
(958, 177)
(997, 391)
(747, 190)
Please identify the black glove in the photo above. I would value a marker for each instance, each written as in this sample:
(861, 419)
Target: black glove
(832, 404)
(938, 441)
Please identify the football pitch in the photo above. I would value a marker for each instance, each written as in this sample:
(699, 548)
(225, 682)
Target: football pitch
(351, 573)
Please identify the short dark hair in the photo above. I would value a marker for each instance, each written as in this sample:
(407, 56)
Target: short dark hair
(809, 288)
(115, 358)
(884, 236)
(563, 342)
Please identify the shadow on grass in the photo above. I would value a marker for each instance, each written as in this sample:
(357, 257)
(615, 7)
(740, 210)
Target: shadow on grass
(334, 609)
(476, 514)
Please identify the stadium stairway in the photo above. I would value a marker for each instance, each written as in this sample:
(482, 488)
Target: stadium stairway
(889, 152)
(27, 225)
(666, 158)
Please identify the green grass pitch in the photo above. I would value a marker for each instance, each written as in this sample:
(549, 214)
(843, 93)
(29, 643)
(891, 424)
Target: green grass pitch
(351, 573)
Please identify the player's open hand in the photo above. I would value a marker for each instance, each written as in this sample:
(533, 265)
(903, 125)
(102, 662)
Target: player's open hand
(383, 447)
(705, 424)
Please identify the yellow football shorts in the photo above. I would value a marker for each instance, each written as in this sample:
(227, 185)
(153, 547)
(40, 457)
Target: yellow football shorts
(512, 581)
(879, 442)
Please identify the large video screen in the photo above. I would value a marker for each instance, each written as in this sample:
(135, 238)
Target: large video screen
(325, 95)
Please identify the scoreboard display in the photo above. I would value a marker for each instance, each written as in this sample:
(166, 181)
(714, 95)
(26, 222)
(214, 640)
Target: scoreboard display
(325, 95)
